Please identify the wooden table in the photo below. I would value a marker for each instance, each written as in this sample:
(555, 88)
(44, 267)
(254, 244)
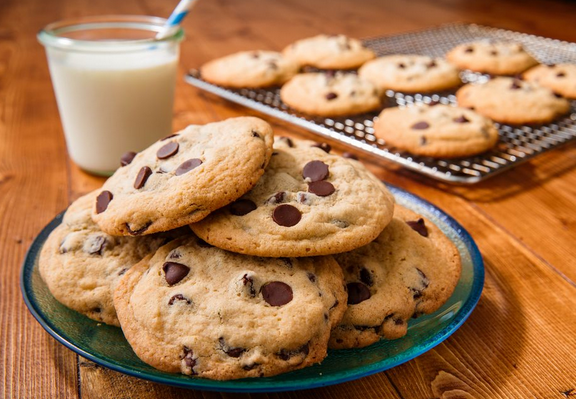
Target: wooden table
(520, 341)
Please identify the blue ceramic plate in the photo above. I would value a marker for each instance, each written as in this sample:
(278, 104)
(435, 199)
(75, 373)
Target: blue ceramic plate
(106, 345)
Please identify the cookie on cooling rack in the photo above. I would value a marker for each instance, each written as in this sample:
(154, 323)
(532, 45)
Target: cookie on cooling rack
(331, 94)
(493, 57)
(411, 73)
(81, 264)
(250, 69)
(201, 311)
(411, 269)
(307, 203)
(182, 178)
(440, 131)
(514, 101)
(329, 52)
(560, 78)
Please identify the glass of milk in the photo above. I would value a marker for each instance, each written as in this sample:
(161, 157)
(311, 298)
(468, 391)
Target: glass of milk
(114, 84)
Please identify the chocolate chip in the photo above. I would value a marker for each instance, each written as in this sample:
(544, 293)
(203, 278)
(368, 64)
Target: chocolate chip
(323, 146)
(331, 96)
(420, 125)
(167, 150)
(401, 65)
(557, 95)
(96, 310)
(286, 215)
(127, 158)
(137, 232)
(242, 207)
(461, 119)
(431, 64)
(366, 277)
(103, 200)
(255, 134)
(311, 277)
(169, 137)
(285, 354)
(315, 171)
(560, 74)
(232, 352)
(96, 245)
(174, 272)
(321, 188)
(179, 297)
(493, 52)
(276, 293)
(188, 359)
(249, 367)
(349, 155)
(143, 175)
(187, 166)
(255, 55)
(516, 84)
(423, 140)
(303, 198)
(398, 322)
(419, 227)
(469, 50)
(433, 103)
(277, 198)
(249, 282)
(288, 141)
(357, 292)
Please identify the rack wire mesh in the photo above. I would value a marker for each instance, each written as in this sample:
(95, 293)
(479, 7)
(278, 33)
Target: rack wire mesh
(517, 143)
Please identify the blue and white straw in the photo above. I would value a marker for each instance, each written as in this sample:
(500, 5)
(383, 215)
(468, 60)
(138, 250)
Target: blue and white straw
(175, 18)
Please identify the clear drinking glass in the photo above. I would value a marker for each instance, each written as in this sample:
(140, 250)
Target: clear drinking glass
(114, 84)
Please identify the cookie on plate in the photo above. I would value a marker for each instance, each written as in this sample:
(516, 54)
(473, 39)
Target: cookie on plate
(411, 269)
(510, 100)
(81, 264)
(329, 52)
(440, 131)
(329, 94)
(182, 178)
(411, 73)
(496, 58)
(560, 78)
(307, 203)
(200, 311)
(250, 69)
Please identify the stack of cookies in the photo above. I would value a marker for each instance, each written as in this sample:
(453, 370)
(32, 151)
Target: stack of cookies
(224, 253)
(538, 96)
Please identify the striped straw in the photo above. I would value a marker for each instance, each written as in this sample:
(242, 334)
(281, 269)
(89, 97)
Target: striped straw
(175, 18)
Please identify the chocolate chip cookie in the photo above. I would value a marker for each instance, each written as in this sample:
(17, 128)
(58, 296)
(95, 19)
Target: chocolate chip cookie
(560, 78)
(81, 264)
(307, 203)
(411, 269)
(331, 94)
(329, 52)
(182, 178)
(510, 100)
(411, 73)
(250, 69)
(440, 131)
(197, 310)
(496, 58)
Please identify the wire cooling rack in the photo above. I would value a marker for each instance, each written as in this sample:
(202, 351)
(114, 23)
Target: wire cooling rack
(517, 143)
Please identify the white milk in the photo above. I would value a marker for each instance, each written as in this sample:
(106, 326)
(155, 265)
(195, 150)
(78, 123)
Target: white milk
(113, 103)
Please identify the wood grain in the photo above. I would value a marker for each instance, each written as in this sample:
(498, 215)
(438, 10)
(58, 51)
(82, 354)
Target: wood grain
(519, 342)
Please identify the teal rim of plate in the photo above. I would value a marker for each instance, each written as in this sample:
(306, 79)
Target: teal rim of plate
(269, 384)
